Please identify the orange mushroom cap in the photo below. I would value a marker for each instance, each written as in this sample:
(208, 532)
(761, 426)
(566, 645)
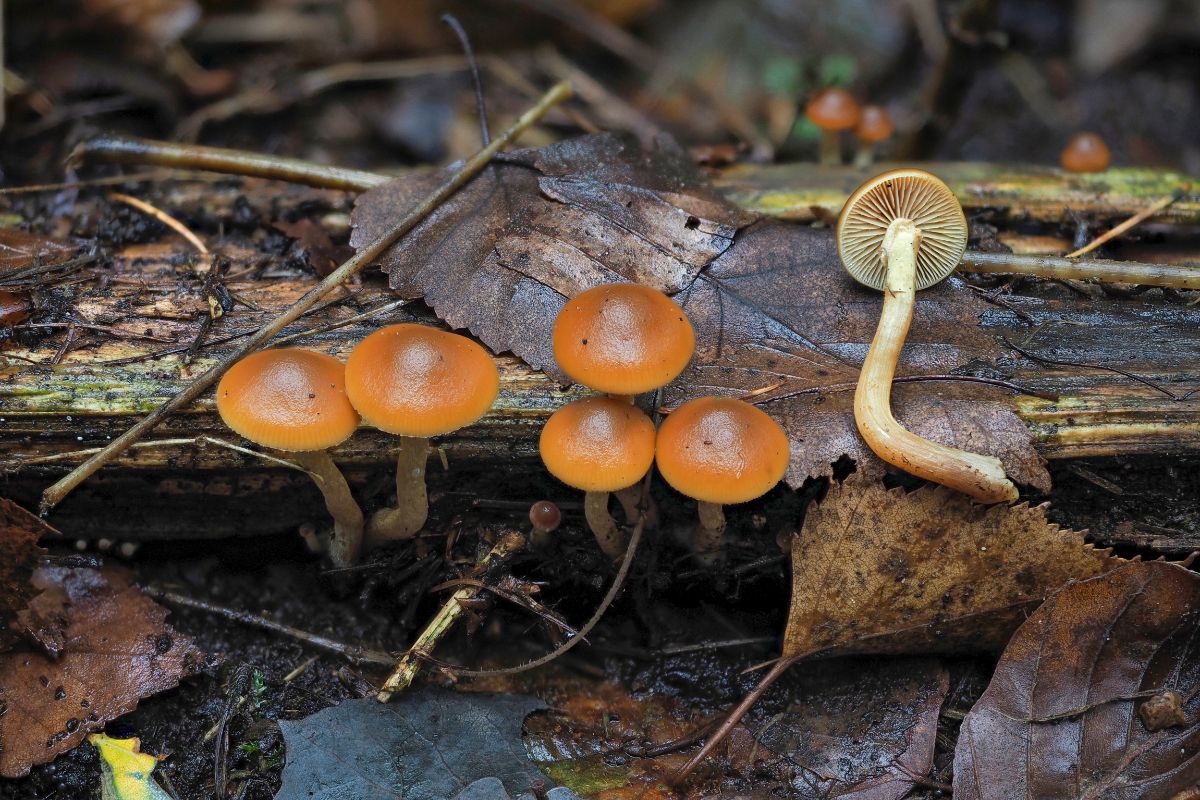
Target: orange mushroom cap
(598, 444)
(874, 124)
(721, 450)
(289, 399)
(623, 338)
(1086, 152)
(833, 110)
(413, 380)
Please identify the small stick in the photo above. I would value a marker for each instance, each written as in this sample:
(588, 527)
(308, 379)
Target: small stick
(365, 256)
(353, 653)
(163, 217)
(1174, 276)
(464, 41)
(1136, 219)
(406, 669)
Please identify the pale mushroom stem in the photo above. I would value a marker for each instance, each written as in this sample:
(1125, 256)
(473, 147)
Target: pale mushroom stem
(981, 477)
(865, 155)
(831, 148)
(608, 535)
(710, 532)
(346, 543)
(412, 502)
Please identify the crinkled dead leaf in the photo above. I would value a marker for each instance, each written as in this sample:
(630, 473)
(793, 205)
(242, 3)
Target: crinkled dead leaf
(844, 728)
(773, 308)
(1096, 696)
(20, 249)
(125, 770)
(427, 745)
(118, 649)
(501, 257)
(19, 555)
(881, 571)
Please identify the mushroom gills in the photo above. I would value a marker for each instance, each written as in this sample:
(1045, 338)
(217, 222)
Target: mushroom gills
(979, 476)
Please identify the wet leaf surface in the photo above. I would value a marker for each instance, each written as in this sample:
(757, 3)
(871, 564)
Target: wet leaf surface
(21, 249)
(846, 728)
(1096, 696)
(880, 571)
(117, 650)
(773, 308)
(19, 554)
(427, 745)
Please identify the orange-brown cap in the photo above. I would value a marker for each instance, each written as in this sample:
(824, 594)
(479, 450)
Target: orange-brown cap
(1086, 152)
(874, 124)
(721, 450)
(833, 110)
(413, 380)
(598, 444)
(288, 399)
(623, 338)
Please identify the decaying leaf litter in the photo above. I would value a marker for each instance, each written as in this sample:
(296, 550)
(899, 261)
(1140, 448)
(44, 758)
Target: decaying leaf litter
(731, 303)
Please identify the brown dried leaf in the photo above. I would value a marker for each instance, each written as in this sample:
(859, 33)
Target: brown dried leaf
(1068, 711)
(503, 255)
(118, 649)
(19, 555)
(880, 571)
(772, 309)
(314, 241)
(20, 249)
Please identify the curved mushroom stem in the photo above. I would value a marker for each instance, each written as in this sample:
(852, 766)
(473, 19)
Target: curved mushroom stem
(630, 498)
(1169, 275)
(831, 148)
(604, 527)
(865, 155)
(981, 477)
(412, 502)
(346, 544)
(710, 532)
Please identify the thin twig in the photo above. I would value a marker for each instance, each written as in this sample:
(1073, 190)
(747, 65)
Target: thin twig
(1063, 363)
(163, 217)
(450, 20)
(1136, 219)
(353, 653)
(116, 333)
(353, 266)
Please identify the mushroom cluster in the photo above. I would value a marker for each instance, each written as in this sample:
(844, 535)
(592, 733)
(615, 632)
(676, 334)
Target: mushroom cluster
(835, 111)
(409, 380)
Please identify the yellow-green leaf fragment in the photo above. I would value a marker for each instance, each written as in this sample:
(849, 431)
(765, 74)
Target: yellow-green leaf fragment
(125, 770)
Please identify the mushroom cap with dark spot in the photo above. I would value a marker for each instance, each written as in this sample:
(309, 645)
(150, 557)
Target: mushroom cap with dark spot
(289, 399)
(902, 194)
(623, 338)
(413, 380)
(833, 110)
(874, 124)
(721, 450)
(598, 444)
(1086, 152)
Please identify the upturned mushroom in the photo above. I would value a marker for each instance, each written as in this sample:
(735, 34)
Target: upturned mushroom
(720, 451)
(874, 126)
(599, 445)
(1086, 152)
(833, 111)
(294, 400)
(900, 232)
(416, 382)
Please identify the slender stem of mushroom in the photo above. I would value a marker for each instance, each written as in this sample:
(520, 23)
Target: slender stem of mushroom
(346, 544)
(831, 148)
(981, 477)
(1170, 275)
(412, 501)
(604, 527)
(710, 532)
(865, 155)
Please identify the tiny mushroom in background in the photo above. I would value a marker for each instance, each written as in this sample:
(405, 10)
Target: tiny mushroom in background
(1086, 152)
(720, 451)
(294, 400)
(623, 339)
(874, 126)
(599, 445)
(900, 232)
(833, 111)
(416, 382)
(545, 517)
